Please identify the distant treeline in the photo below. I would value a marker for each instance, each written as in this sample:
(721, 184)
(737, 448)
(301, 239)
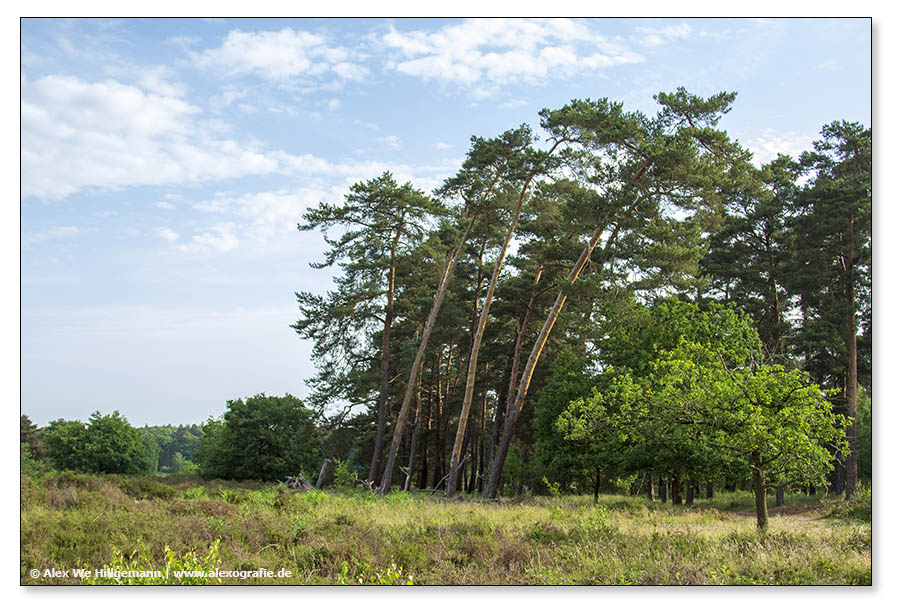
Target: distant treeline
(109, 444)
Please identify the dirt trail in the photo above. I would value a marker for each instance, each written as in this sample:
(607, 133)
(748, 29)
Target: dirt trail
(788, 510)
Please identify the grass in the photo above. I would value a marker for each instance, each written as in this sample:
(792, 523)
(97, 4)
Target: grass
(133, 523)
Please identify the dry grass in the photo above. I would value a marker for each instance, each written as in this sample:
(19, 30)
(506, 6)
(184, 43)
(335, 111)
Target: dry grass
(329, 538)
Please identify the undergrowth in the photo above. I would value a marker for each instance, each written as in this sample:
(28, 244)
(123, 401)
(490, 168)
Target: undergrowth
(132, 523)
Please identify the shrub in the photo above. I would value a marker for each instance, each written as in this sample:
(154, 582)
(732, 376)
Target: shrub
(261, 438)
(344, 477)
(106, 444)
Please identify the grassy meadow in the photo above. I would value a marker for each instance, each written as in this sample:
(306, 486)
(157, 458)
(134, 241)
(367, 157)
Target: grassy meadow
(132, 523)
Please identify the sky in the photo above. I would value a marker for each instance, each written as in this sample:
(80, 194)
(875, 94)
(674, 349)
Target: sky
(165, 164)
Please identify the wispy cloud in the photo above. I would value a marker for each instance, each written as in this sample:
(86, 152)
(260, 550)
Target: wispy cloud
(164, 205)
(220, 238)
(68, 231)
(769, 144)
(513, 103)
(108, 135)
(167, 234)
(485, 54)
(280, 57)
(392, 141)
(657, 36)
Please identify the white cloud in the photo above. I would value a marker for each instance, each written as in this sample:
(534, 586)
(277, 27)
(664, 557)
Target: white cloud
(442, 145)
(333, 104)
(164, 205)
(220, 238)
(158, 80)
(485, 54)
(226, 98)
(247, 109)
(656, 36)
(512, 104)
(392, 141)
(54, 233)
(280, 56)
(367, 125)
(770, 144)
(167, 234)
(108, 135)
(262, 222)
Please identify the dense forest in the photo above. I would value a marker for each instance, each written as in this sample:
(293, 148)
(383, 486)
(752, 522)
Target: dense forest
(614, 302)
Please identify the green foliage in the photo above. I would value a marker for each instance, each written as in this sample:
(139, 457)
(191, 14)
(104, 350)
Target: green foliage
(261, 438)
(562, 462)
(139, 569)
(344, 477)
(150, 461)
(514, 471)
(106, 444)
(176, 445)
(30, 436)
(394, 575)
(197, 492)
(29, 465)
(857, 508)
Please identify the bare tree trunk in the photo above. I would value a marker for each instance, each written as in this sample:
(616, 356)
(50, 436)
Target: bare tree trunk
(425, 468)
(451, 263)
(837, 475)
(851, 471)
(478, 337)
(522, 326)
(651, 486)
(690, 494)
(322, 476)
(383, 398)
(597, 486)
(514, 408)
(478, 485)
(438, 470)
(677, 491)
(547, 325)
(663, 490)
(709, 490)
(759, 491)
(415, 436)
(780, 495)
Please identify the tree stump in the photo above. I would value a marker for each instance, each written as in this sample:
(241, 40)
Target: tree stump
(322, 477)
(298, 483)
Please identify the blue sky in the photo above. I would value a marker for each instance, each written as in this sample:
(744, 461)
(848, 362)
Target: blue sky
(166, 162)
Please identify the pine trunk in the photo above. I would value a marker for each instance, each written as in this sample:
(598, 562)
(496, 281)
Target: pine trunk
(478, 337)
(511, 419)
(385, 344)
(451, 263)
(851, 471)
(415, 438)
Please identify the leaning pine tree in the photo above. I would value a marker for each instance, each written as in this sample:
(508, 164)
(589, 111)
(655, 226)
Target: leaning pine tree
(678, 159)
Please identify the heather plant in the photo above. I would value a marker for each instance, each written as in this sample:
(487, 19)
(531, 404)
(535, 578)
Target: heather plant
(73, 520)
